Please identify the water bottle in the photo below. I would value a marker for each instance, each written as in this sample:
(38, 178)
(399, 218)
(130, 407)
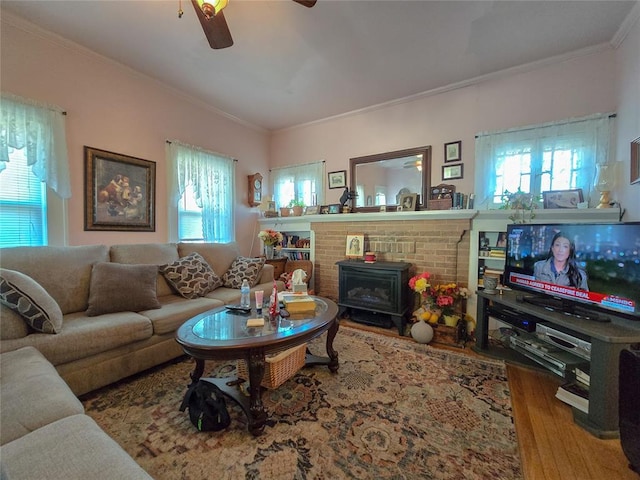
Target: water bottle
(245, 299)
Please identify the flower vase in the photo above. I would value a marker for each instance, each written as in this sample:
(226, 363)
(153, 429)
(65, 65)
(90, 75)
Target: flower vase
(422, 332)
(451, 320)
(268, 251)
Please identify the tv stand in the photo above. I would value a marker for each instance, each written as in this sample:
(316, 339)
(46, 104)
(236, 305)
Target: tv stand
(607, 341)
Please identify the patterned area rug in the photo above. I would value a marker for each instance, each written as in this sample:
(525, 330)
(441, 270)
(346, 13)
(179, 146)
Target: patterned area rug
(394, 410)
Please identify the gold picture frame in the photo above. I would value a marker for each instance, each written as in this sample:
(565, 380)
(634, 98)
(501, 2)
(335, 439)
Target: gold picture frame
(119, 192)
(355, 245)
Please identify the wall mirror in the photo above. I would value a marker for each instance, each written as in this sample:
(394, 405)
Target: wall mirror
(381, 179)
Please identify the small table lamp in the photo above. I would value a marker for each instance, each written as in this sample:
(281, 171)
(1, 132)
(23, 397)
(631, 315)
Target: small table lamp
(604, 183)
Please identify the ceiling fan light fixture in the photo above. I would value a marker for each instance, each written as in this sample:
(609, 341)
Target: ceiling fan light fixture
(212, 7)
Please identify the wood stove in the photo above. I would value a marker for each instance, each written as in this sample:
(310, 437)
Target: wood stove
(380, 290)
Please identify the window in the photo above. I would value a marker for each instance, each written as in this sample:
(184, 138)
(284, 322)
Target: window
(559, 156)
(33, 156)
(300, 182)
(23, 204)
(202, 189)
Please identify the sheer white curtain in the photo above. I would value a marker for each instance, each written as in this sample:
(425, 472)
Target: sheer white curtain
(558, 155)
(40, 131)
(299, 182)
(212, 177)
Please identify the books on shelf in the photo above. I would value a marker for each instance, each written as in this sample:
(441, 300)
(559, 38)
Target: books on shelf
(575, 395)
(582, 376)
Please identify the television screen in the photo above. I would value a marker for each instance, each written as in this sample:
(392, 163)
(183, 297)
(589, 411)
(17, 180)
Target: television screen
(597, 265)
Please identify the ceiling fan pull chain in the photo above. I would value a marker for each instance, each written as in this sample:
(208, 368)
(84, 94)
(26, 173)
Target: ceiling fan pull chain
(180, 12)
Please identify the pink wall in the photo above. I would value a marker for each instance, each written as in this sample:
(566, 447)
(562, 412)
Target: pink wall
(573, 88)
(113, 108)
(628, 74)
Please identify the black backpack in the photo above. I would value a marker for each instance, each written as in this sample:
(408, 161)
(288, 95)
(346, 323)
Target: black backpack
(207, 407)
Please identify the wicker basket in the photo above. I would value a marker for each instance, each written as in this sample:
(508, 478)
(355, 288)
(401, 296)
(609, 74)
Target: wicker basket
(278, 368)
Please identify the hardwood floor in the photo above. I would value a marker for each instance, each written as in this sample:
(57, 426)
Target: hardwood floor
(551, 445)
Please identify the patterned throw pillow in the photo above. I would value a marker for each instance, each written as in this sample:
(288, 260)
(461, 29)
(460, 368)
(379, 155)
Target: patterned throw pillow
(25, 296)
(241, 268)
(191, 276)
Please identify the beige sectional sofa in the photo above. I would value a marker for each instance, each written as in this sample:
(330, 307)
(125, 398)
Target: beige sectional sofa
(88, 335)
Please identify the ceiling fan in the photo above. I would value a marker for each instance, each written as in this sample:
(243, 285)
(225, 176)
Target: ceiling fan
(213, 23)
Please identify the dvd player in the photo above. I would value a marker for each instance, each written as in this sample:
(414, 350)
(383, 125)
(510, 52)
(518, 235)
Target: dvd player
(569, 343)
(553, 358)
(517, 319)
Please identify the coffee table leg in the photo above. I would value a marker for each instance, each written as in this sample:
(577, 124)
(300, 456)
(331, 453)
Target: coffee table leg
(198, 370)
(258, 416)
(333, 355)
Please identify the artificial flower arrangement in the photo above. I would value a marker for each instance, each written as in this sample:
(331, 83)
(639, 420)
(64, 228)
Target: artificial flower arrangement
(270, 237)
(436, 299)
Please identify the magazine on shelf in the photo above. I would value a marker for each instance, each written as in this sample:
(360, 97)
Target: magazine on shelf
(575, 395)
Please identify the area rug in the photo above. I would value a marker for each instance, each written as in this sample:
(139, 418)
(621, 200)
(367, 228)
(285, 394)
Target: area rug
(394, 410)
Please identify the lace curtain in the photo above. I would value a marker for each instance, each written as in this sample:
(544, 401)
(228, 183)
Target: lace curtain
(212, 177)
(40, 130)
(588, 138)
(300, 182)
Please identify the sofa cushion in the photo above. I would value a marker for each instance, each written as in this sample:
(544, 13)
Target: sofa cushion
(177, 310)
(191, 276)
(243, 267)
(64, 272)
(219, 256)
(24, 295)
(32, 394)
(150, 254)
(84, 336)
(12, 325)
(74, 447)
(119, 288)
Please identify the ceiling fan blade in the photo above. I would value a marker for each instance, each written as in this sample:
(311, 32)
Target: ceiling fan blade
(306, 3)
(215, 29)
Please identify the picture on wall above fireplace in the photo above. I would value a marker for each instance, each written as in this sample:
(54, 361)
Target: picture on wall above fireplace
(119, 192)
(355, 245)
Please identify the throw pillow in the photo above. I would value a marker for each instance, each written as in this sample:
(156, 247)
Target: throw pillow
(119, 287)
(241, 268)
(25, 296)
(191, 276)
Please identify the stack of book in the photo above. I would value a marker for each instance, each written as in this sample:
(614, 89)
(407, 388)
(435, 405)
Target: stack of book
(298, 303)
(575, 395)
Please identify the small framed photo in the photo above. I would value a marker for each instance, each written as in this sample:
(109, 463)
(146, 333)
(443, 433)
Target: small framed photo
(324, 209)
(338, 179)
(119, 192)
(635, 161)
(408, 201)
(334, 208)
(451, 172)
(312, 210)
(355, 245)
(562, 198)
(453, 151)
(271, 206)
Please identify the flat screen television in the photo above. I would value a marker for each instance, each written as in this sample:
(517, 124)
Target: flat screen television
(577, 268)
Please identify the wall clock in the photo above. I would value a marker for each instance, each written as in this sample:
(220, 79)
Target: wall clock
(255, 189)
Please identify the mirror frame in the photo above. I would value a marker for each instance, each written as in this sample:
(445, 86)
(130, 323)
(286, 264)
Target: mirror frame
(378, 157)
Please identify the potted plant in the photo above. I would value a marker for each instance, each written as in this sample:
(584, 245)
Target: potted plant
(297, 206)
(523, 203)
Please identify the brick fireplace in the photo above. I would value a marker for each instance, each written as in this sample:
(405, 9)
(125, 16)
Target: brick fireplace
(437, 245)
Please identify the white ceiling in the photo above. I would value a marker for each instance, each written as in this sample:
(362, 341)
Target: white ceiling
(292, 65)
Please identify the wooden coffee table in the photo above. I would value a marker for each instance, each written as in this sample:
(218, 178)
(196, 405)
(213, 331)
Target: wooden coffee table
(222, 334)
